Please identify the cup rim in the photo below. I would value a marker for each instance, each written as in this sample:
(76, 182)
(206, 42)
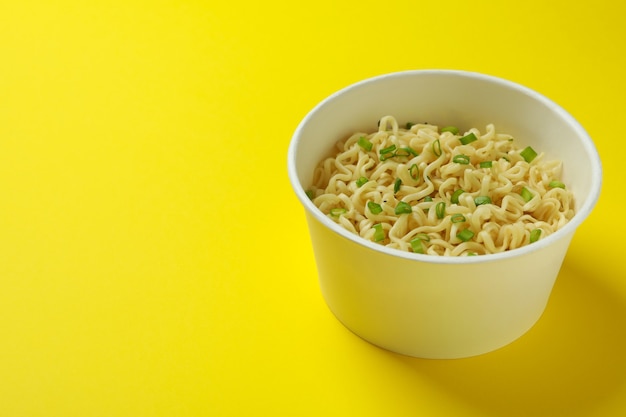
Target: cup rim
(568, 229)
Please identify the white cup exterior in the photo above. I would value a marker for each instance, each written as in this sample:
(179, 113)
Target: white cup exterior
(434, 306)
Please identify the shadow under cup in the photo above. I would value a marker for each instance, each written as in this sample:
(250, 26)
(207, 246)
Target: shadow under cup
(435, 306)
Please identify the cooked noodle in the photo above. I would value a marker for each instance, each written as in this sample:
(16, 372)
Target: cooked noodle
(454, 206)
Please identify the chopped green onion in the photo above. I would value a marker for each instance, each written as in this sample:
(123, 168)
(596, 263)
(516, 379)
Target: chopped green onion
(336, 212)
(534, 235)
(486, 164)
(469, 138)
(455, 196)
(526, 194)
(406, 151)
(428, 198)
(423, 236)
(457, 218)
(461, 159)
(465, 235)
(379, 233)
(482, 199)
(361, 181)
(556, 184)
(409, 125)
(414, 171)
(528, 154)
(417, 245)
(450, 129)
(506, 159)
(310, 194)
(440, 209)
(472, 254)
(402, 152)
(387, 150)
(375, 208)
(397, 185)
(365, 143)
(437, 147)
(403, 208)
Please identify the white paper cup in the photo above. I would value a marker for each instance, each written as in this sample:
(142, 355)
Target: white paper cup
(434, 306)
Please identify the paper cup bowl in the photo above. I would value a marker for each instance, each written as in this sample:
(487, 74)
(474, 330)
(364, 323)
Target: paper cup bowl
(435, 306)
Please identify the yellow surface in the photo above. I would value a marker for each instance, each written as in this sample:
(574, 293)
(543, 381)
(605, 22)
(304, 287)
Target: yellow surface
(154, 261)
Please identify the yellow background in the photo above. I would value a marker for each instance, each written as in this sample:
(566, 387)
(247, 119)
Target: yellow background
(155, 262)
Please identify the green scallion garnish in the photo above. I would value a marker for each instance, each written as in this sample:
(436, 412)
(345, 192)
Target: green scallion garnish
(450, 129)
(361, 181)
(375, 208)
(428, 198)
(396, 185)
(336, 212)
(465, 235)
(365, 143)
(455, 196)
(409, 125)
(457, 218)
(379, 233)
(556, 184)
(403, 208)
(406, 151)
(437, 147)
(472, 254)
(526, 194)
(534, 235)
(423, 236)
(310, 194)
(414, 171)
(486, 164)
(482, 199)
(461, 159)
(417, 245)
(469, 138)
(528, 154)
(387, 152)
(440, 209)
